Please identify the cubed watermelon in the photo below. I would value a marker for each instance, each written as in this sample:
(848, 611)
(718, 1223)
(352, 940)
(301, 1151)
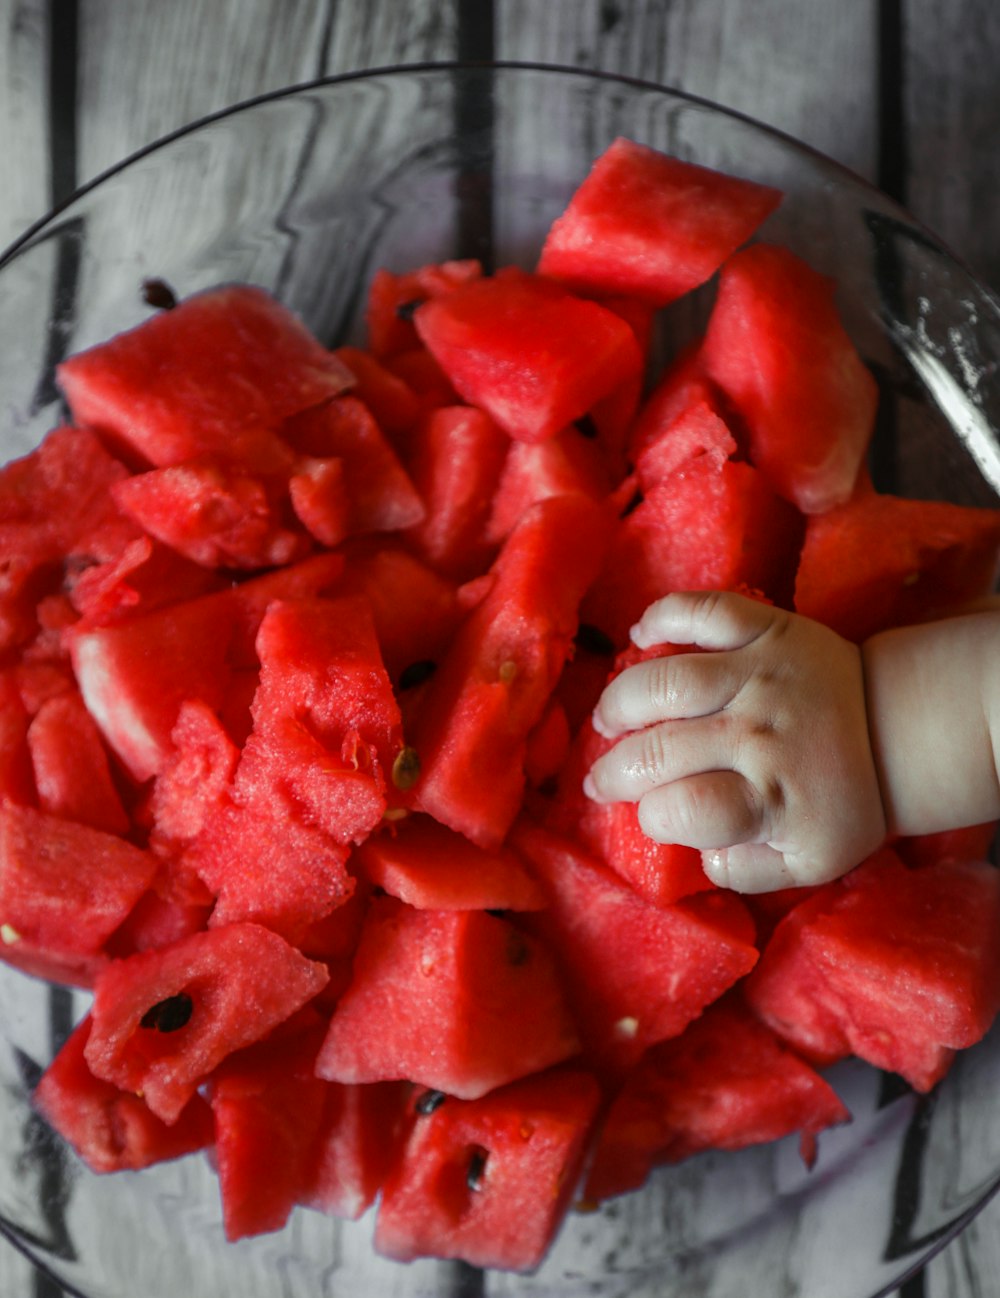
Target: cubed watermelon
(64, 889)
(163, 1020)
(489, 1180)
(217, 375)
(459, 1001)
(111, 1129)
(726, 1082)
(530, 354)
(650, 225)
(880, 561)
(903, 964)
(637, 973)
(777, 348)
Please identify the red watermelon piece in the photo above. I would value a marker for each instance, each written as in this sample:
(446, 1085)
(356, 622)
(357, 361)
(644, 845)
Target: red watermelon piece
(637, 973)
(646, 224)
(217, 375)
(56, 517)
(459, 1001)
(380, 495)
(880, 561)
(902, 963)
(526, 351)
(393, 403)
(163, 1020)
(489, 1180)
(455, 455)
(564, 465)
(135, 675)
(712, 524)
(214, 513)
(494, 683)
(393, 299)
(266, 1099)
(431, 867)
(358, 1142)
(113, 1130)
(64, 889)
(776, 347)
(727, 1082)
(71, 769)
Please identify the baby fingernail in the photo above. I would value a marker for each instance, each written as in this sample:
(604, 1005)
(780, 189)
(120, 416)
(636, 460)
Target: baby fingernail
(590, 788)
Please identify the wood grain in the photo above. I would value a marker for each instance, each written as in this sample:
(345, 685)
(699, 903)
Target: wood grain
(23, 122)
(951, 96)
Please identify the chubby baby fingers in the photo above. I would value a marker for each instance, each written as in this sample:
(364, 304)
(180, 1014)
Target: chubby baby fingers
(716, 809)
(711, 619)
(645, 759)
(672, 686)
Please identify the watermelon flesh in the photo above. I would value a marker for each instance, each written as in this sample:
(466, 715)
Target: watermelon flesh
(458, 1001)
(163, 1020)
(897, 966)
(488, 1180)
(651, 226)
(726, 1083)
(113, 1130)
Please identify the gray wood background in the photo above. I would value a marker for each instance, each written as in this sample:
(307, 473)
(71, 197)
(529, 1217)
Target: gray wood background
(905, 92)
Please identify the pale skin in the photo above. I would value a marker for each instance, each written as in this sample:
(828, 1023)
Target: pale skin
(787, 754)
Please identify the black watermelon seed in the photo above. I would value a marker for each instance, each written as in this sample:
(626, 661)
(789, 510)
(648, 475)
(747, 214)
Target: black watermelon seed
(476, 1169)
(416, 673)
(594, 640)
(158, 293)
(169, 1015)
(407, 310)
(429, 1101)
(633, 504)
(586, 427)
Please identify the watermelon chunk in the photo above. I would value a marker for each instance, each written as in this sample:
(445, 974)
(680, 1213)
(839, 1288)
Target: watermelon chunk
(726, 1082)
(380, 495)
(71, 769)
(526, 351)
(359, 1140)
(216, 376)
(213, 513)
(431, 867)
(493, 685)
(459, 1001)
(902, 964)
(489, 1180)
(393, 403)
(637, 973)
(646, 224)
(776, 347)
(455, 455)
(393, 299)
(163, 1020)
(712, 524)
(135, 675)
(113, 1130)
(64, 888)
(880, 561)
(55, 518)
(567, 464)
(264, 1098)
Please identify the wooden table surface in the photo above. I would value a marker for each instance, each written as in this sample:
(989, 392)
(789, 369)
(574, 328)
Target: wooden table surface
(904, 92)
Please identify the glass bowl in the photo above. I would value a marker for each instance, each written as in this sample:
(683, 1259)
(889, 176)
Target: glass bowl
(307, 192)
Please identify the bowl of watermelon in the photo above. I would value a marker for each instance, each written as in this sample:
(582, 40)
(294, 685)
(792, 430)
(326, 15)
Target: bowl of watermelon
(344, 436)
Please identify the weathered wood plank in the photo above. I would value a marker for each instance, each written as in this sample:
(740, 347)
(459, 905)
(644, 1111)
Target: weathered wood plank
(951, 95)
(24, 193)
(759, 59)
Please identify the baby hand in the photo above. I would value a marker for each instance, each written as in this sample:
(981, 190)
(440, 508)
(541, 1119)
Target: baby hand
(757, 753)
